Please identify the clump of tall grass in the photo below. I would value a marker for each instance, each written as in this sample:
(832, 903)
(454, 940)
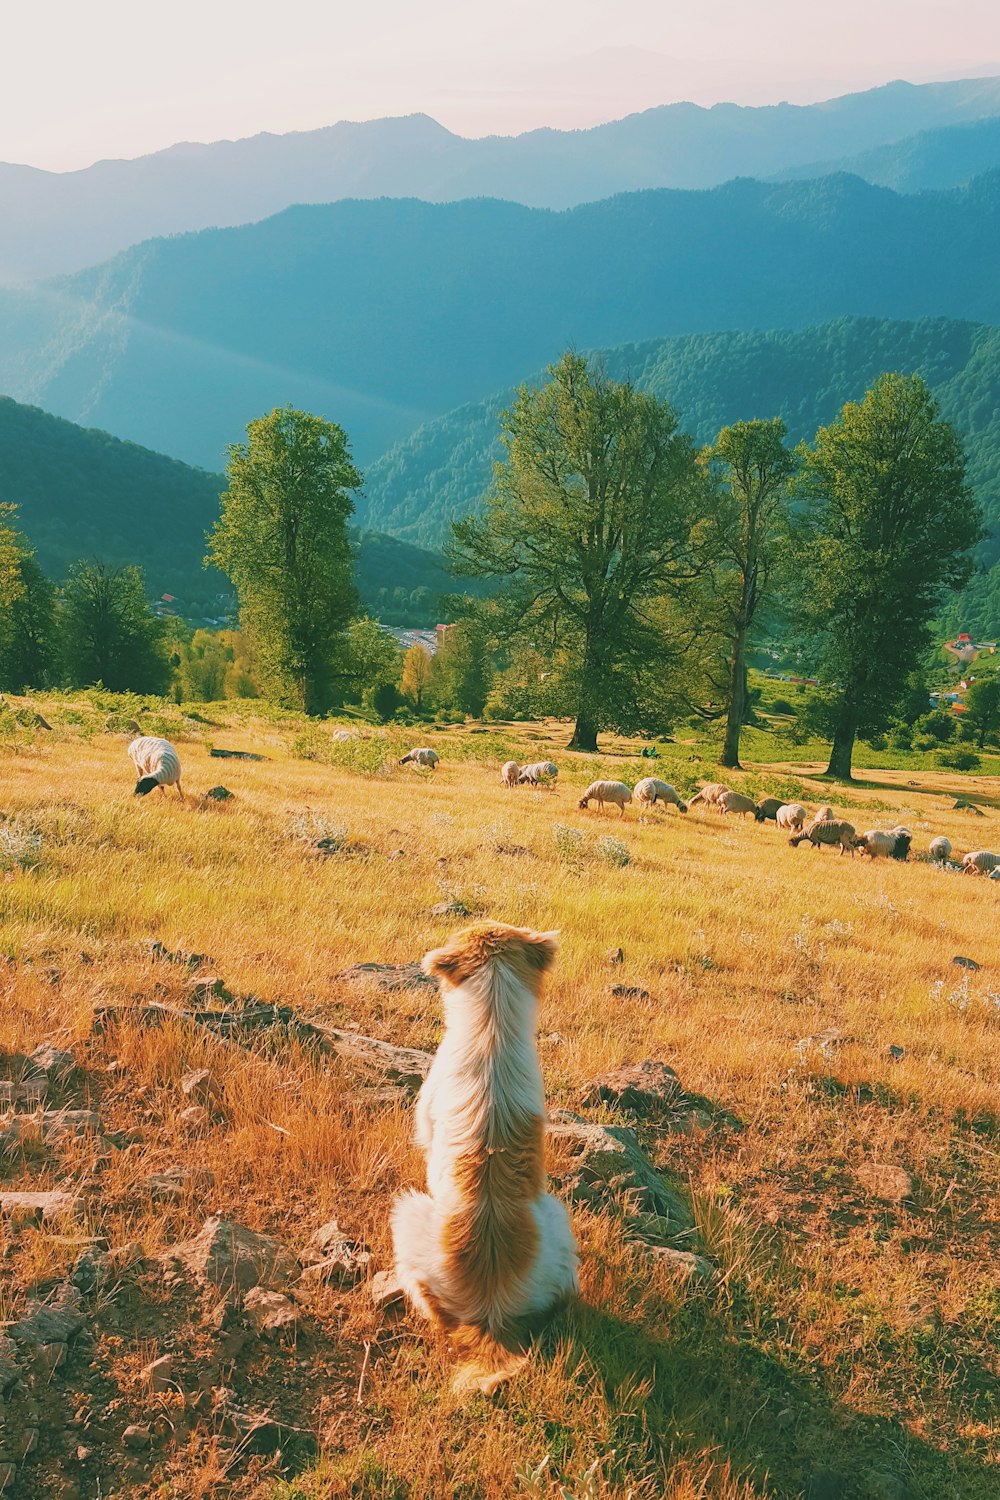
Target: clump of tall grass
(612, 851)
(20, 848)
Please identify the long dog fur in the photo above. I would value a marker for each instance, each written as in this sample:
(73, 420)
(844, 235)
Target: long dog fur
(485, 1250)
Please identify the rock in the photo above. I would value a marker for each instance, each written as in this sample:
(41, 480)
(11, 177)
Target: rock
(962, 806)
(685, 1263)
(9, 1371)
(406, 1066)
(594, 1163)
(52, 1322)
(330, 1256)
(29, 1441)
(894, 1053)
(451, 908)
(270, 1312)
(884, 1180)
(691, 1121)
(159, 1374)
(171, 1185)
(232, 1257)
(52, 1124)
(827, 1484)
(8, 1473)
(49, 1358)
(136, 1437)
(199, 1086)
(386, 1290)
(39, 1207)
(204, 987)
(827, 1041)
(641, 1089)
(966, 963)
(29, 1091)
(48, 1061)
(195, 1117)
(92, 1270)
(628, 992)
(235, 754)
(615, 956)
(391, 976)
(218, 794)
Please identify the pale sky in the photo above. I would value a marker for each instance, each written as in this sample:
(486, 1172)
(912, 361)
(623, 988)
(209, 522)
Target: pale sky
(85, 79)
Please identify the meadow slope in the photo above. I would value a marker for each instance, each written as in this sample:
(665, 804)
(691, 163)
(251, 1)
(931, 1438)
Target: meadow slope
(843, 1344)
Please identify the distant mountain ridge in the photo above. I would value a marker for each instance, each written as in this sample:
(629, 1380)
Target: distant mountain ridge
(382, 315)
(944, 158)
(84, 494)
(442, 471)
(57, 223)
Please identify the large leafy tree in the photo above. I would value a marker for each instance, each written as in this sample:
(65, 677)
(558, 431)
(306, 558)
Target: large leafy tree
(416, 677)
(888, 523)
(462, 669)
(27, 611)
(282, 538)
(982, 709)
(751, 467)
(588, 524)
(110, 634)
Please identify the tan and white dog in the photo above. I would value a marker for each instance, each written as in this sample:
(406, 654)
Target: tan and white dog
(485, 1250)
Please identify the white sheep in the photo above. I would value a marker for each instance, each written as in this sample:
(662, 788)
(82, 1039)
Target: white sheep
(539, 773)
(709, 794)
(157, 764)
(509, 772)
(980, 862)
(735, 802)
(940, 849)
(791, 815)
(995, 874)
(650, 790)
(423, 756)
(827, 831)
(881, 843)
(615, 792)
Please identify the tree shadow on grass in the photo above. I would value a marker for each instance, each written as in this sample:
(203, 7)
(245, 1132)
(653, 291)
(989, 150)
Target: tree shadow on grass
(721, 1384)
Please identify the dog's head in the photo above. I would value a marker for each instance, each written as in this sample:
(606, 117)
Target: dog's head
(526, 953)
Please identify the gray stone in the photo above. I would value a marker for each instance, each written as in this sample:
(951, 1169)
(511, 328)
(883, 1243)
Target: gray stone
(159, 1374)
(195, 1117)
(52, 1322)
(29, 1091)
(199, 1087)
(386, 1290)
(405, 1066)
(38, 1206)
(269, 1311)
(883, 1180)
(595, 1163)
(685, 1263)
(48, 1061)
(218, 794)
(628, 992)
(640, 1089)
(170, 1186)
(966, 963)
(52, 1124)
(136, 1437)
(232, 1257)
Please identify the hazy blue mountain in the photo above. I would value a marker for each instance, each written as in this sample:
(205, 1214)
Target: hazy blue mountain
(442, 470)
(383, 314)
(943, 158)
(61, 222)
(84, 494)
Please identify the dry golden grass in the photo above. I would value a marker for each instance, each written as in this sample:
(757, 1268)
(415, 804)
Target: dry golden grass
(843, 1334)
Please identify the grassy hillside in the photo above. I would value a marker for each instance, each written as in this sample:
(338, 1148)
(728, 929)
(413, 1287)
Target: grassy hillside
(839, 1334)
(382, 314)
(61, 222)
(83, 493)
(805, 376)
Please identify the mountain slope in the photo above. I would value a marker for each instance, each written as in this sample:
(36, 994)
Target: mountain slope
(84, 494)
(383, 314)
(944, 158)
(61, 222)
(442, 470)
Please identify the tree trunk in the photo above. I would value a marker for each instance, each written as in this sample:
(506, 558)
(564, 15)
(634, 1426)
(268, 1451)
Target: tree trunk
(842, 750)
(584, 734)
(737, 701)
(585, 729)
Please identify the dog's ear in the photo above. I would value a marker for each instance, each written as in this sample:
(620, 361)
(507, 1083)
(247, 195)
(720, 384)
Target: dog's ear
(539, 949)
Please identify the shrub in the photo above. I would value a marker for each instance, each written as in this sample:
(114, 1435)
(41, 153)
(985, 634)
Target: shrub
(959, 760)
(612, 851)
(782, 706)
(20, 848)
(569, 843)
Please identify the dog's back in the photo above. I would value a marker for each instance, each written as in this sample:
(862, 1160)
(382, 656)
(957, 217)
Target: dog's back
(485, 1247)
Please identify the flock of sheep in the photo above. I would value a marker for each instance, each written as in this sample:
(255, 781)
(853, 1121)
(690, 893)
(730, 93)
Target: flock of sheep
(158, 765)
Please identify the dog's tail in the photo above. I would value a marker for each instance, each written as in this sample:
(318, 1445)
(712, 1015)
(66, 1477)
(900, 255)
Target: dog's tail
(486, 1358)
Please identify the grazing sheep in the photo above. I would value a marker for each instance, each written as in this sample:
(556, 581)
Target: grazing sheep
(650, 790)
(615, 792)
(539, 773)
(980, 862)
(792, 815)
(822, 815)
(157, 764)
(421, 757)
(768, 807)
(940, 849)
(509, 772)
(709, 794)
(880, 843)
(735, 802)
(995, 874)
(829, 831)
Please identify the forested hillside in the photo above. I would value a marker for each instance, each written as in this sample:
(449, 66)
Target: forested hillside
(84, 494)
(804, 376)
(380, 315)
(56, 223)
(942, 158)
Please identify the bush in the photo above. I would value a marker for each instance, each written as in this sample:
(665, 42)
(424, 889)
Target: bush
(959, 760)
(612, 851)
(20, 848)
(782, 706)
